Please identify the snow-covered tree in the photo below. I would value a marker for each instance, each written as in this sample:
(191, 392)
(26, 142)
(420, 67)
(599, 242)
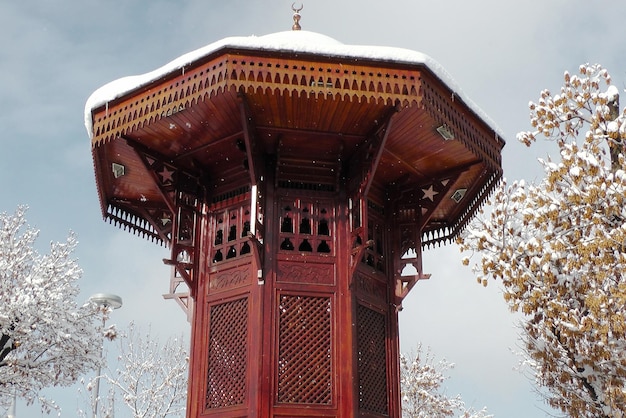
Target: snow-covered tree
(559, 248)
(149, 377)
(421, 380)
(45, 338)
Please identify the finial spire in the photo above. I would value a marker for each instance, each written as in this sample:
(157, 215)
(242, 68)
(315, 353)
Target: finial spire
(296, 16)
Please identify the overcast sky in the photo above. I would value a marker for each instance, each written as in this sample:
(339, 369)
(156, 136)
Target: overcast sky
(54, 54)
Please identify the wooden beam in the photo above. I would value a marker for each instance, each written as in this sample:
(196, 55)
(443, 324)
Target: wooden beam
(207, 145)
(378, 151)
(252, 149)
(181, 268)
(357, 254)
(145, 155)
(366, 160)
(158, 226)
(404, 284)
(306, 132)
(430, 201)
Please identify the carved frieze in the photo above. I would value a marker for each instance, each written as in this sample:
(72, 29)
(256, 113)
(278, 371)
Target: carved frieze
(308, 273)
(370, 288)
(230, 278)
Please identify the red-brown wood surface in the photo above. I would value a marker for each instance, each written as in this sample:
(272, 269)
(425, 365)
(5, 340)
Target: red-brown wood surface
(289, 186)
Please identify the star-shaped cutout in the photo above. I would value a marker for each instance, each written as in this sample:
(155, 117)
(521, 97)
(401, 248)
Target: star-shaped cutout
(430, 193)
(166, 175)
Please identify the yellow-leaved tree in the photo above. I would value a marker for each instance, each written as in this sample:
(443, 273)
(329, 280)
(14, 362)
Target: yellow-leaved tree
(558, 247)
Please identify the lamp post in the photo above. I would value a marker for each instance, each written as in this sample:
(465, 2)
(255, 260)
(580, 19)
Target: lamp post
(104, 301)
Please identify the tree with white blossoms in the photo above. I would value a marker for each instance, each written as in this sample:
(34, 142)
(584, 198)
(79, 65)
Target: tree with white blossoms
(559, 248)
(45, 338)
(150, 377)
(421, 380)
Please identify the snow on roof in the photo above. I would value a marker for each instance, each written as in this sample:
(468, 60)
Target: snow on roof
(287, 41)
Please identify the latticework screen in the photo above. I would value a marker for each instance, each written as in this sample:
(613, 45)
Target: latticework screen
(372, 361)
(230, 230)
(304, 354)
(306, 226)
(226, 381)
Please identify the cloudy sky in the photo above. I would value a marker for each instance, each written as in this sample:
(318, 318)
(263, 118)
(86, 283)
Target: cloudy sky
(54, 54)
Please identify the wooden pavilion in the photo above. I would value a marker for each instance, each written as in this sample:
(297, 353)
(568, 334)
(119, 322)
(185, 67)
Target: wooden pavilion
(296, 181)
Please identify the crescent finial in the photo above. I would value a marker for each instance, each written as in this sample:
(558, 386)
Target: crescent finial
(296, 16)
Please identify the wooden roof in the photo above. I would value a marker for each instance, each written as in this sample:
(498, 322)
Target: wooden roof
(304, 110)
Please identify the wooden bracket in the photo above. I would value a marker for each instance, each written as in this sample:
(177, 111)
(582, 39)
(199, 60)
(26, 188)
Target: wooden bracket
(357, 254)
(404, 284)
(257, 252)
(252, 149)
(365, 162)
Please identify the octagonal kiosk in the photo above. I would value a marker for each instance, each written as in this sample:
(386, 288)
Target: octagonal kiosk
(296, 181)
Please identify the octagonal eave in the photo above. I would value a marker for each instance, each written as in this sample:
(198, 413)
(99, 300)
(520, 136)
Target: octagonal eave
(304, 45)
(329, 72)
(233, 74)
(474, 142)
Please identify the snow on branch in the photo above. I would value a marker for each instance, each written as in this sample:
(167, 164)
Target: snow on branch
(46, 338)
(559, 247)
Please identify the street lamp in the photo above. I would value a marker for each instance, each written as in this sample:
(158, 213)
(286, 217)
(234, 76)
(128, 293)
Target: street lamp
(104, 301)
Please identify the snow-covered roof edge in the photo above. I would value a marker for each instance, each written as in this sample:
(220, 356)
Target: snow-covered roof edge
(289, 41)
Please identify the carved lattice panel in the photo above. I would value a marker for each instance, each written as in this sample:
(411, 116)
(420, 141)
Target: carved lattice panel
(372, 367)
(304, 354)
(230, 229)
(306, 227)
(228, 361)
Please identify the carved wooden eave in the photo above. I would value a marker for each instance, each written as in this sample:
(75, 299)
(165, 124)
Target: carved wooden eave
(179, 115)
(211, 124)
